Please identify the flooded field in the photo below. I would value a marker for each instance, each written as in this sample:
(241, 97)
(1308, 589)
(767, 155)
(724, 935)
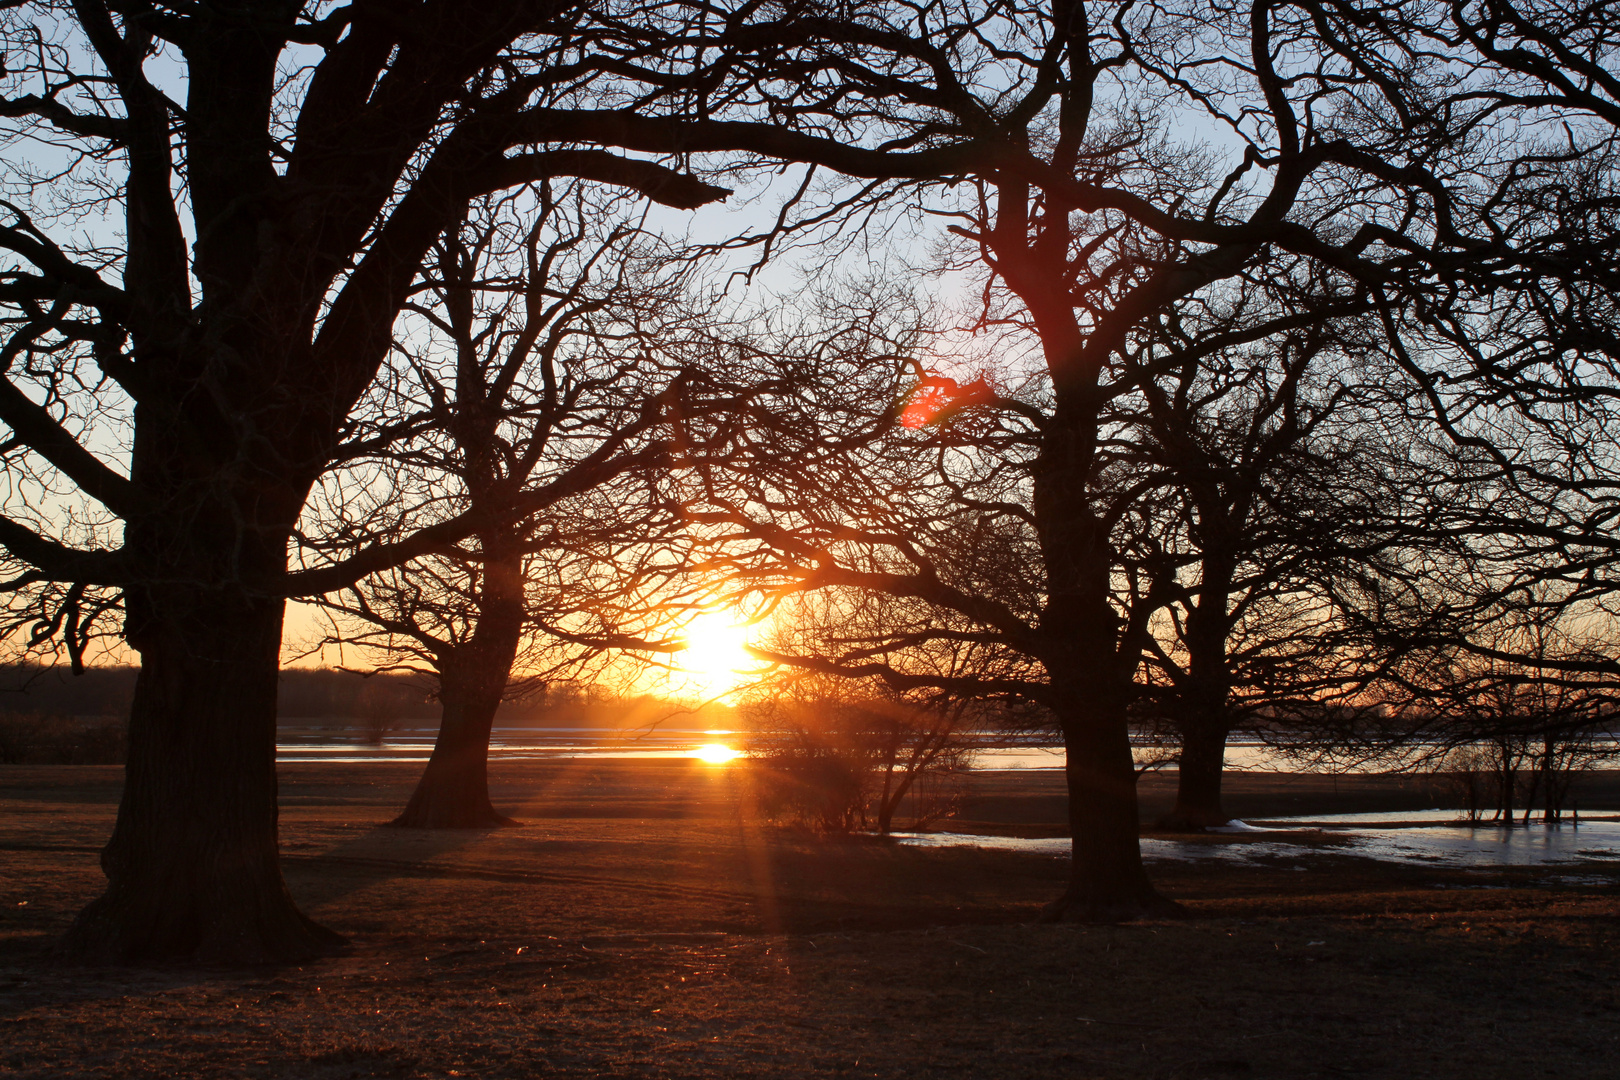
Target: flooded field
(1404, 833)
(673, 739)
(1425, 836)
(343, 747)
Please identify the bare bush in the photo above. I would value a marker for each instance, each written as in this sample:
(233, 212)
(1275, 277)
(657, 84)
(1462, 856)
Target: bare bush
(841, 758)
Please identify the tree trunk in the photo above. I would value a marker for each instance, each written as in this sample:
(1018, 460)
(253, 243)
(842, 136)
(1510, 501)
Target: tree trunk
(1202, 698)
(454, 790)
(885, 804)
(1107, 881)
(894, 795)
(1530, 796)
(1198, 785)
(192, 868)
(1507, 778)
(1091, 661)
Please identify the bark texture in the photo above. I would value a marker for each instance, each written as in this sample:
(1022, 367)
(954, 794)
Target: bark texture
(1091, 662)
(1107, 881)
(192, 866)
(453, 792)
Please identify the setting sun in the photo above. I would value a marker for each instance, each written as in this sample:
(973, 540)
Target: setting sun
(715, 655)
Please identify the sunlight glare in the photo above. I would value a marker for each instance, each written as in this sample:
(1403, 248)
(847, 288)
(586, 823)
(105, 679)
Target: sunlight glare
(715, 653)
(716, 753)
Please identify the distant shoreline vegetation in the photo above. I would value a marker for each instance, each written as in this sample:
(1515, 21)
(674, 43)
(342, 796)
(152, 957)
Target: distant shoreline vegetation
(28, 738)
(312, 696)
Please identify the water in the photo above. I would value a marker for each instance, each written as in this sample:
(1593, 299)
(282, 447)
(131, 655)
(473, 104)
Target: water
(510, 743)
(1436, 838)
(535, 744)
(532, 743)
(1594, 842)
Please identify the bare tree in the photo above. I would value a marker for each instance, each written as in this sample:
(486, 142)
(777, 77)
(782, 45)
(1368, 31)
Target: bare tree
(1275, 463)
(1087, 226)
(1504, 703)
(1505, 318)
(197, 293)
(319, 153)
(541, 334)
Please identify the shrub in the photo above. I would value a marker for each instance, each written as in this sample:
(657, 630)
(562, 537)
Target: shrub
(837, 764)
(28, 738)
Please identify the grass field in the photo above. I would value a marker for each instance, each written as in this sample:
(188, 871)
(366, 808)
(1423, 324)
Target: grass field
(640, 923)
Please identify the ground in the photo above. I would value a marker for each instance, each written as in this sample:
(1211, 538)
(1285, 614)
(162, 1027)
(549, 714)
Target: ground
(642, 924)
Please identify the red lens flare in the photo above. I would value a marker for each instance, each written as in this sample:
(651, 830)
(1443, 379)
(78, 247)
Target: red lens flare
(937, 397)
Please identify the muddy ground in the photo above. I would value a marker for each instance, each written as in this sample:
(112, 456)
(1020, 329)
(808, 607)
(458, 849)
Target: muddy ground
(642, 924)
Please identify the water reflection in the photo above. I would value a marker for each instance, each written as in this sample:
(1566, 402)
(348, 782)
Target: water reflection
(341, 747)
(1421, 836)
(1592, 842)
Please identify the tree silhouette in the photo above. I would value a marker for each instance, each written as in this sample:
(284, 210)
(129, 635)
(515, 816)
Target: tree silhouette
(245, 254)
(1037, 136)
(536, 338)
(228, 302)
(1272, 456)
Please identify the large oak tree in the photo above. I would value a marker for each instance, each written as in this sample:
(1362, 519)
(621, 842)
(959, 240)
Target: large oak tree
(543, 338)
(240, 198)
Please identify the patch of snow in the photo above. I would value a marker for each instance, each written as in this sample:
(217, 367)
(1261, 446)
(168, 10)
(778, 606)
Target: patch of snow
(1236, 826)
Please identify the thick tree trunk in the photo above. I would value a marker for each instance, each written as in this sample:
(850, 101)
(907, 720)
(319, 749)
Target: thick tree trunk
(1107, 881)
(454, 790)
(1203, 698)
(1198, 787)
(1091, 661)
(192, 868)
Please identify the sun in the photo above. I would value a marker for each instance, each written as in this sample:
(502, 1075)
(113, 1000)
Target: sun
(716, 655)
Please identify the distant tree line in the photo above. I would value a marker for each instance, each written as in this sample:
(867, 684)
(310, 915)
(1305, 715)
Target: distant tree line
(306, 693)
(309, 694)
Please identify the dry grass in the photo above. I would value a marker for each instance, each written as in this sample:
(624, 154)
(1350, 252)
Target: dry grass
(640, 926)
